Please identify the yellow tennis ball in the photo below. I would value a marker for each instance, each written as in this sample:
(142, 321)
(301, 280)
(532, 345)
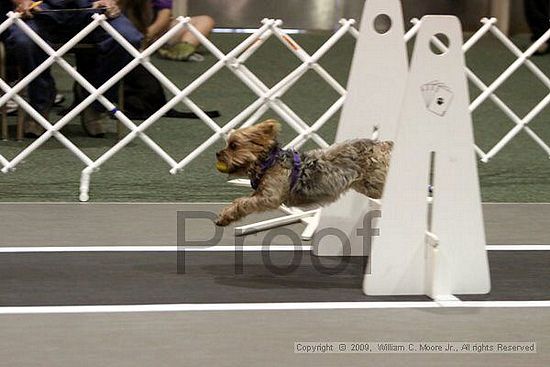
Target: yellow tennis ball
(222, 167)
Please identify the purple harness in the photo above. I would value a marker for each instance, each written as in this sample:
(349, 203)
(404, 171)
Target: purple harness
(274, 155)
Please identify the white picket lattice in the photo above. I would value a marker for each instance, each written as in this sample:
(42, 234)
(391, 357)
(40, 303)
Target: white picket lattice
(235, 61)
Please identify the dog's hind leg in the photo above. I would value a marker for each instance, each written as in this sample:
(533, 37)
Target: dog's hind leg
(369, 189)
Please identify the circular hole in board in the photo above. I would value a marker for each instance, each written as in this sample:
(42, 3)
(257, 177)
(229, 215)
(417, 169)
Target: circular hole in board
(382, 23)
(439, 44)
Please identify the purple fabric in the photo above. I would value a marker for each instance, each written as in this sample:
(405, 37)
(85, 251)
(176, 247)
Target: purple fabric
(273, 157)
(161, 4)
(296, 166)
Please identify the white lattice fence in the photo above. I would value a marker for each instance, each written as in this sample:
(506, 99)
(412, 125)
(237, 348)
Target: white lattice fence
(235, 61)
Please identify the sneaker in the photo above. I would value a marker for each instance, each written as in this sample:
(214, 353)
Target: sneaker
(11, 107)
(196, 57)
(542, 50)
(92, 122)
(59, 98)
(33, 129)
(178, 52)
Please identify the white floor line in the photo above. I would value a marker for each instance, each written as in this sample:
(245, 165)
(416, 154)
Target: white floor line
(511, 203)
(518, 247)
(185, 203)
(267, 307)
(114, 203)
(225, 248)
(229, 248)
(447, 300)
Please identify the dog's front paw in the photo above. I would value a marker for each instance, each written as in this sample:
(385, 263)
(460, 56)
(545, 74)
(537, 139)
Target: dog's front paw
(223, 221)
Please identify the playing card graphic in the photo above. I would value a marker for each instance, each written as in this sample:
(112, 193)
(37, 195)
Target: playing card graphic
(437, 97)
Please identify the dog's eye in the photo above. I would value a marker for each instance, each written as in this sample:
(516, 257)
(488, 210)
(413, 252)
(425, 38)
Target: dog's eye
(232, 146)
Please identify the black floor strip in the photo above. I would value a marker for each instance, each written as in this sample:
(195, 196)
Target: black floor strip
(32, 279)
(517, 276)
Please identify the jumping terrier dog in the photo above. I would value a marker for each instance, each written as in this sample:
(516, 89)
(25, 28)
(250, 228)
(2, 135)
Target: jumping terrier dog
(287, 177)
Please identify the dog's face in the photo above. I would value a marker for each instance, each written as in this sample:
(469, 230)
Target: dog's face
(245, 146)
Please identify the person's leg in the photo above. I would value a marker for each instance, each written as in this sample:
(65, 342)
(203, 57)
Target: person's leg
(9, 62)
(545, 11)
(41, 91)
(537, 14)
(185, 43)
(5, 7)
(203, 23)
(110, 57)
(29, 56)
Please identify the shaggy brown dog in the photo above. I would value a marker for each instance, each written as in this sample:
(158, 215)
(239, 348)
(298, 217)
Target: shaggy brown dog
(287, 177)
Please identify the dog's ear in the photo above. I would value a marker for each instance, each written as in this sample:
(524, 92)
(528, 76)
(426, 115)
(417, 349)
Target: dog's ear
(228, 135)
(269, 127)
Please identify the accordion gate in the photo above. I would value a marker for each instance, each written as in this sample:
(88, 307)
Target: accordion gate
(267, 98)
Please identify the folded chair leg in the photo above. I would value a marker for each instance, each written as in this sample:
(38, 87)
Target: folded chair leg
(119, 125)
(4, 124)
(20, 123)
(4, 107)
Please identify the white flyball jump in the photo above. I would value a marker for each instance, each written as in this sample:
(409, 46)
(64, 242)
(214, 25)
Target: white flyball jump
(437, 251)
(376, 85)
(443, 254)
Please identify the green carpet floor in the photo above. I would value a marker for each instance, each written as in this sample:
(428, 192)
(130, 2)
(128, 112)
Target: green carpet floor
(520, 173)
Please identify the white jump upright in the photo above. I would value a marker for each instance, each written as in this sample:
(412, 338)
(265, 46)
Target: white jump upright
(444, 254)
(376, 86)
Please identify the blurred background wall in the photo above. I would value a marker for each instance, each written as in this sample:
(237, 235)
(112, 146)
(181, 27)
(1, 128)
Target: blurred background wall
(324, 14)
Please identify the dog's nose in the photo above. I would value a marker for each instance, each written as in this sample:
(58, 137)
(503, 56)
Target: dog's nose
(218, 154)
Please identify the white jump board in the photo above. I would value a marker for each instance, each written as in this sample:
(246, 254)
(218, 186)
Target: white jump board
(435, 118)
(241, 182)
(376, 85)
